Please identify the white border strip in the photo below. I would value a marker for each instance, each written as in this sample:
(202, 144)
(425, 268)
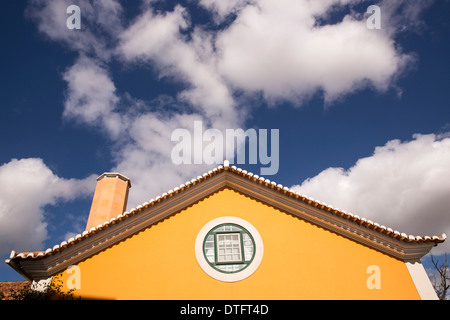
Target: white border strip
(421, 281)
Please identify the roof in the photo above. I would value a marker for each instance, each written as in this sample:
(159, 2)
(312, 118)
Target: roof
(348, 224)
(8, 288)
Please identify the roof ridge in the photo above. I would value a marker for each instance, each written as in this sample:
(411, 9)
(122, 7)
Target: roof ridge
(226, 167)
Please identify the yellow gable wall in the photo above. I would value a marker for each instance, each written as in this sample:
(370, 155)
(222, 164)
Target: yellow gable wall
(301, 260)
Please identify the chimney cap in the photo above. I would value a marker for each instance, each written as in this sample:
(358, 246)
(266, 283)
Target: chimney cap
(115, 175)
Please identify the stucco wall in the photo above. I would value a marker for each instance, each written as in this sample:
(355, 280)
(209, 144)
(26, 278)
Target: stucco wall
(300, 261)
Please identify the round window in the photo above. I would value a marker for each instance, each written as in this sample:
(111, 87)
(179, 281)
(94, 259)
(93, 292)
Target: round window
(229, 249)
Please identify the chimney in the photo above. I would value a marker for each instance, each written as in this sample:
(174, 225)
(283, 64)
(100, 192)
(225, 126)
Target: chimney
(110, 198)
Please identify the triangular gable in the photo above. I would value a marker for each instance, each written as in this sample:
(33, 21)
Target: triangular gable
(43, 264)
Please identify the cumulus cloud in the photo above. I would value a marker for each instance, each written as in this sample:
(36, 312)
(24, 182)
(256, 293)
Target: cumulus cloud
(403, 15)
(91, 97)
(140, 137)
(283, 49)
(100, 21)
(157, 39)
(146, 157)
(279, 49)
(28, 185)
(402, 185)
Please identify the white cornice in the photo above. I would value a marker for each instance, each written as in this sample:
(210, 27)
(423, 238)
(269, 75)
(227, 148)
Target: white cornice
(115, 175)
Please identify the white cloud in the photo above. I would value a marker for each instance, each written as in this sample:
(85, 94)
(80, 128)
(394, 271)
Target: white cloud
(403, 15)
(278, 48)
(91, 97)
(146, 158)
(101, 20)
(140, 136)
(403, 185)
(275, 47)
(156, 39)
(28, 185)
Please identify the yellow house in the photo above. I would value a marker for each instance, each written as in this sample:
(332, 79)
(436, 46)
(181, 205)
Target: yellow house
(230, 234)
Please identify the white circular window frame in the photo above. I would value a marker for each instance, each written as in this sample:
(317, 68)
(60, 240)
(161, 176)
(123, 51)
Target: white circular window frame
(229, 277)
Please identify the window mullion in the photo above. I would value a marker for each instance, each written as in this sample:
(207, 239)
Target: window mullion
(216, 248)
(242, 246)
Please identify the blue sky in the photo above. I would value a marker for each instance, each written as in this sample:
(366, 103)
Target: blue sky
(363, 115)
